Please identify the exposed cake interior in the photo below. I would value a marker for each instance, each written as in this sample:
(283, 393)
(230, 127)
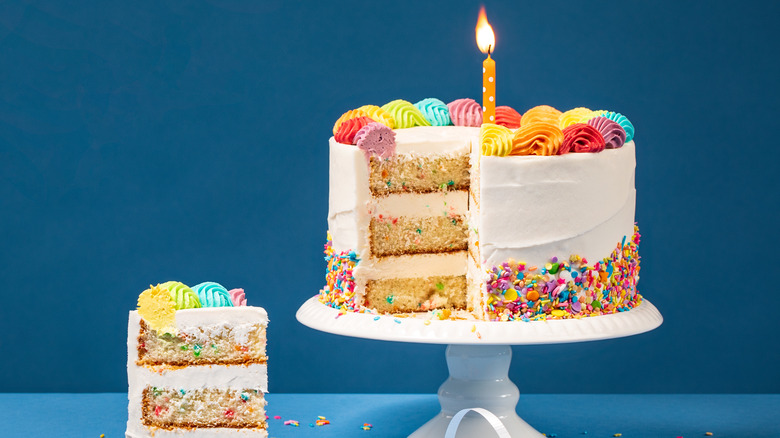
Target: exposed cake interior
(169, 408)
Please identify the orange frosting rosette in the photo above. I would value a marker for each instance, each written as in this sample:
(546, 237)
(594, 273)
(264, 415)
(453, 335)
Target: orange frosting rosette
(541, 113)
(542, 138)
(373, 112)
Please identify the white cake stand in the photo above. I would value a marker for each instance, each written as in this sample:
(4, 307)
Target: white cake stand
(478, 357)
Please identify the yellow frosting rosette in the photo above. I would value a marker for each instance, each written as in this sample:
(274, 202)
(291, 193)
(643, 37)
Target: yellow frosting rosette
(495, 139)
(573, 116)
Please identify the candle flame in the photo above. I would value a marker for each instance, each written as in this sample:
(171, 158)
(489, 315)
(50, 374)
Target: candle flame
(486, 39)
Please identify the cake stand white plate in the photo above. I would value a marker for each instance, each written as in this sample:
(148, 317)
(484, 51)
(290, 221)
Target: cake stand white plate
(478, 358)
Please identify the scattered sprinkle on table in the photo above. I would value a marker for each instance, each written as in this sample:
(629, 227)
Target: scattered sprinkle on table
(366, 426)
(618, 434)
(291, 423)
(102, 435)
(277, 417)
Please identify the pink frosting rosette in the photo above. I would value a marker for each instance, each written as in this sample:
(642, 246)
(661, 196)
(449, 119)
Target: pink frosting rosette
(376, 139)
(238, 297)
(465, 112)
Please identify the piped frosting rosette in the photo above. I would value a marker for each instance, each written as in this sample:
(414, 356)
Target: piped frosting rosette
(613, 133)
(182, 295)
(541, 113)
(348, 129)
(465, 112)
(238, 297)
(572, 116)
(624, 123)
(435, 111)
(213, 295)
(580, 137)
(376, 140)
(508, 117)
(540, 138)
(373, 112)
(405, 114)
(495, 139)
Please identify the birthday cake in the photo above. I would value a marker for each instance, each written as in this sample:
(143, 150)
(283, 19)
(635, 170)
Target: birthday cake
(432, 211)
(196, 363)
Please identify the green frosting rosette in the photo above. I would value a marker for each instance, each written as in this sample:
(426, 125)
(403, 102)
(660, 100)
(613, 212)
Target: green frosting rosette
(182, 295)
(405, 114)
(213, 295)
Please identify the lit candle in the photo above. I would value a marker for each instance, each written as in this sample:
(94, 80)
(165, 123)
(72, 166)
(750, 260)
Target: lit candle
(486, 41)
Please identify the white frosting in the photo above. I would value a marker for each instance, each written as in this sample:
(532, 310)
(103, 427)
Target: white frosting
(254, 376)
(197, 318)
(411, 266)
(424, 140)
(416, 205)
(533, 208)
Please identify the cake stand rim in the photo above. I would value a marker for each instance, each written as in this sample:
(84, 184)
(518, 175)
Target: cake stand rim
(643, 318)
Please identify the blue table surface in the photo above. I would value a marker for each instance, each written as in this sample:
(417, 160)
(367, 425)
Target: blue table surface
(397, 415)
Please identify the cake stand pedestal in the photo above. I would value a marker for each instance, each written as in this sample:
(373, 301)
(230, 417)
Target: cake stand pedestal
(478, 357)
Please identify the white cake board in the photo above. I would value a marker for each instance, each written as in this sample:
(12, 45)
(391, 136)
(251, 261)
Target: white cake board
(478, 356)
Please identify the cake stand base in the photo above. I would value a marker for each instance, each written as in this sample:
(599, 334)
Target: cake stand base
(478, 379)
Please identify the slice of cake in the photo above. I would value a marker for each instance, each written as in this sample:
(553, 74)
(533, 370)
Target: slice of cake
(528, 218)
(196, 363)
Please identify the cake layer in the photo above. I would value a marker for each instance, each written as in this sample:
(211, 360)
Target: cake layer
(578, 203)
(418, 235)
(418, 174)
(205, 336)
(171, 407)
(416, 294)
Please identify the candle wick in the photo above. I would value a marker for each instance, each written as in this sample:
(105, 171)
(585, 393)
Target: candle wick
(489, 47)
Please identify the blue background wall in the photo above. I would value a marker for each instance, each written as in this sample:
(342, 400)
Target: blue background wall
(147, 141)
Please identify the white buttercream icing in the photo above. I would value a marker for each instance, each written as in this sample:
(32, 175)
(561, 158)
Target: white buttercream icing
(416, 205)
(533, 208)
